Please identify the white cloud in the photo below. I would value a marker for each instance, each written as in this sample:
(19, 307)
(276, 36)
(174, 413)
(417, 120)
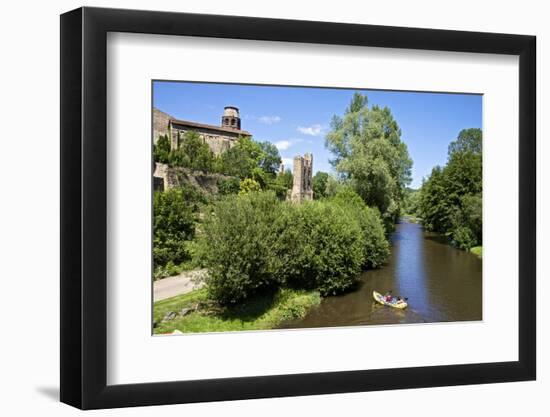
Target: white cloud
(287, 162)
(313, 130)
(269, 120)
(283, 144)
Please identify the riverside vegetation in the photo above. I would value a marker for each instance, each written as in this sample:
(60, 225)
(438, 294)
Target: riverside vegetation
(270, 260)
(450, 200)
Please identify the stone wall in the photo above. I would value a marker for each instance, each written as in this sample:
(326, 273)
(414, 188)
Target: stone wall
(175, 177)
(218, 138)
(169, 176)
(217, 142)
(161, 123)
(302, 186)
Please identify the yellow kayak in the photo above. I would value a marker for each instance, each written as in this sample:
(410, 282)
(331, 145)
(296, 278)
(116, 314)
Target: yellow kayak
(379, 298)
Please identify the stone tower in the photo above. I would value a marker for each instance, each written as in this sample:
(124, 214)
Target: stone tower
(302, 182)
(231, 118)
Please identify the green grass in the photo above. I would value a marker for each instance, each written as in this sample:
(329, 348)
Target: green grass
(477, 250)
(263, 312)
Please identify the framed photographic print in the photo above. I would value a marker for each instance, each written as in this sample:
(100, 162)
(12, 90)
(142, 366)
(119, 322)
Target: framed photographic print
(255, 208)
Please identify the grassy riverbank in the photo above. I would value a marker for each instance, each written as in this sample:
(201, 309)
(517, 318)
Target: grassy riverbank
(477, 250)
(262, 312)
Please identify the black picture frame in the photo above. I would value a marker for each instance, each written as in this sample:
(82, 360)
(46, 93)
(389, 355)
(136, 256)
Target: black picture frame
(84, 207)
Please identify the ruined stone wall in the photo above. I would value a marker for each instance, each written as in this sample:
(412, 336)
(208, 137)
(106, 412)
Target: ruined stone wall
(176, 177)
(164, 175)
(302, 186)
(161, 123)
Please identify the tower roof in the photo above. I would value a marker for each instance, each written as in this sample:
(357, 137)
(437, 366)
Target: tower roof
(196, 125)
(231, 111)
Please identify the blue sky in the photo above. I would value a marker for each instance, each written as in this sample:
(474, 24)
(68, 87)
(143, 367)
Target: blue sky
(296, 119)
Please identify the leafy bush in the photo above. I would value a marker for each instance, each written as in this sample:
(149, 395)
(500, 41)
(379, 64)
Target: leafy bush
(477, 250)
(248, 185)
(161, 150)
(228, 186)
(376, 246)
(320, 247)
(253, 241)
(174, 224)
(168, 270)
(237, 239)
(280, 184)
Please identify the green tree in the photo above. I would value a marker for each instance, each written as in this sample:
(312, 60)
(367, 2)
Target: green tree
(466, 222)
(450, 199)
(435, 208)
(192, 153)
(368, 152)
(468, 140)
(333, 186)
(269, 160)
(161, 150)
(174, 216)
(411, 202)
(320, 185)
(241, 159)
(285, 179)
(234, 162)
(249, 159)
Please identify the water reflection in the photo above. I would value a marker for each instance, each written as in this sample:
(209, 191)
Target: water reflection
(441, 282)
(410, 276)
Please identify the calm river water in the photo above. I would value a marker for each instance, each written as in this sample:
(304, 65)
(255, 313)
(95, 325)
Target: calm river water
(441, 282)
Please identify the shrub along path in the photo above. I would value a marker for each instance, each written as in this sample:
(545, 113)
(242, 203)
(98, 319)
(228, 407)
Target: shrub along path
(183, 283)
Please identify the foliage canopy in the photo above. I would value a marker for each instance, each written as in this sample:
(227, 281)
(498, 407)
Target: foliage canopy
(369, 154)
(451, 197)
(254, 242)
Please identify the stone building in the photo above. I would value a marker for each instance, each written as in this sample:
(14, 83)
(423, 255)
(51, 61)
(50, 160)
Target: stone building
(219, 138)
(302, 186)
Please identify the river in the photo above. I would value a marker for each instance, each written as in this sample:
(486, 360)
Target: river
(442, 284)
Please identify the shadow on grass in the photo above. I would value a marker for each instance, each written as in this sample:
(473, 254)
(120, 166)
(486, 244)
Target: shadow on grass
(251, 309)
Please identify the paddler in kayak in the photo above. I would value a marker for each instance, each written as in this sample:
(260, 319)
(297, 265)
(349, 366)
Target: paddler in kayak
(389, 300)
(400, 300)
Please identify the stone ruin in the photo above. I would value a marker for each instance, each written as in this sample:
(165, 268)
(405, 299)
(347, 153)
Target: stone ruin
(302, 186)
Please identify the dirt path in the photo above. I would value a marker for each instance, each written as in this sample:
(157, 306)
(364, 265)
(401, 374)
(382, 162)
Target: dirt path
(183, 283)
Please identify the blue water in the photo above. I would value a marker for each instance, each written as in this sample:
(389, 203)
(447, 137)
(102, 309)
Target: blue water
(441, 283)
